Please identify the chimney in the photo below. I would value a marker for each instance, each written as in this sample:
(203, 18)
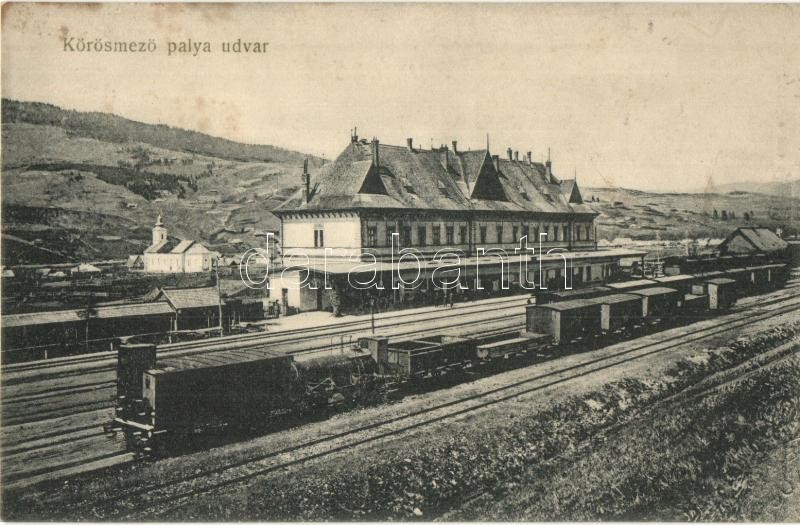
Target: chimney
(354, 135)
(410, 144)
(306, 182)
(509, 154)
(496, 162)
(548, 169)
(455, 146)
(375, 159)
(516, 156)
(444, 158)
(528, 156)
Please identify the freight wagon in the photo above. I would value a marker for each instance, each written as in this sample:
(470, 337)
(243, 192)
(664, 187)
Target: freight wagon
(619, 311)
(722, 292)
(658, 302)
(566, 320)
(245, 388)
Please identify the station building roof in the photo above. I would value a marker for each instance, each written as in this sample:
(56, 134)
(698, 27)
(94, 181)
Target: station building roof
(368, 174)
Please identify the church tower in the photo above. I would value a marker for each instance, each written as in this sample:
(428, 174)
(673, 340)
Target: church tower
(159, 232)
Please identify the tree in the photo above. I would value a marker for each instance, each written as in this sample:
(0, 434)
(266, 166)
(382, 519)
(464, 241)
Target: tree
(746, 216)
(716, 215)
(724, 215)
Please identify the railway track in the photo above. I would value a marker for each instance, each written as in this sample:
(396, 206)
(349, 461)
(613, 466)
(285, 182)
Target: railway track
(236, 472)
(58, 367)
(38, 400)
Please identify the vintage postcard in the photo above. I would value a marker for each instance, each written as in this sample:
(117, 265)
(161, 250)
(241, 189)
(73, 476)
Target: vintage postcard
(400, 262)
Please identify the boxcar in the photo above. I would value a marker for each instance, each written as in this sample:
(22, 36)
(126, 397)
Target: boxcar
(418, 357)
(192, 392)
(759, 278)
(721, 293)
(567, 295)
(566, 320)
(694, 305)
(628, 286)
(658, 301)
(778, 275)
(619, 311)
(682, 282)
(742, 278)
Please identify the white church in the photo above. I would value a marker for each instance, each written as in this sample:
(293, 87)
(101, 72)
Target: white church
(171, 255)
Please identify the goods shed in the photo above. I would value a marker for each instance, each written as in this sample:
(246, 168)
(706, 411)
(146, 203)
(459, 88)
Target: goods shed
(40, 335)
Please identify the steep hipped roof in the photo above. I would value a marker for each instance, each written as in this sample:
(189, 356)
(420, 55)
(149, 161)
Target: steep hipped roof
(762, 240)
(435, 179)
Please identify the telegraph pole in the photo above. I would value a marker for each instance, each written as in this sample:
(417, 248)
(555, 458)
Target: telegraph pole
(219, 294)
(372, 313)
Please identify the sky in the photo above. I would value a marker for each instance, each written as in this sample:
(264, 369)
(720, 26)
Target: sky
(661, 97)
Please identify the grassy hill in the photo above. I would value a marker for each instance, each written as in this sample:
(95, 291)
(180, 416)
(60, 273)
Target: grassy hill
(787, 188)
(110, 128)
(89, 185)
(643, 215)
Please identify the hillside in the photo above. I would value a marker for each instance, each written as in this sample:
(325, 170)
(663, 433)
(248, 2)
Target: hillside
(643, 215)
(786, 188)
(75, 188)
(112, 128)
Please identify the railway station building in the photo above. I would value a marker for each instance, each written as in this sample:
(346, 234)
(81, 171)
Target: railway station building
(378, 201)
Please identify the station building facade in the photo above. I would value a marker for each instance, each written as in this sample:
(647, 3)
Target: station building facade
(376, 199)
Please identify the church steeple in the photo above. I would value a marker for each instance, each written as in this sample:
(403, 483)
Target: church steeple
(159, 232)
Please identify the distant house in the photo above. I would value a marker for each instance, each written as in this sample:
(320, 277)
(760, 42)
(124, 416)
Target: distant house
(135, 262)
(751, 241)
(171, 255)
(85, 271)
(7, 273)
